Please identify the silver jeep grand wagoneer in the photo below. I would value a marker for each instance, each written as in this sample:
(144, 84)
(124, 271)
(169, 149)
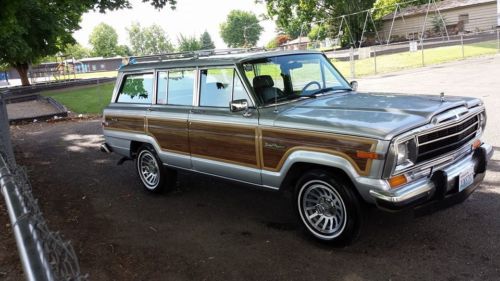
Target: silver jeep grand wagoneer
(290, 121)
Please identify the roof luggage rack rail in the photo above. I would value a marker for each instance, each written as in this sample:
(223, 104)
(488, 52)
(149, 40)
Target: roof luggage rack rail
(190, 55)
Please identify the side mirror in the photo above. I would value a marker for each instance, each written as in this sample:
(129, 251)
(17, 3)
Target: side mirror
(354, 85)
(238, 105)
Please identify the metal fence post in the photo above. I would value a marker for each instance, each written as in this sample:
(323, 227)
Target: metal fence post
(351, 59)
(498, 39)
(375, 58)
(422, 48)
(462, 43)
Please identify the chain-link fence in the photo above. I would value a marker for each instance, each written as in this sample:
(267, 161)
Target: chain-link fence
(404, 35)
(376, 59)
(44, 254)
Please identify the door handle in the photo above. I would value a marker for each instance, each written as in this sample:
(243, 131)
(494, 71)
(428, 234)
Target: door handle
(197, 111)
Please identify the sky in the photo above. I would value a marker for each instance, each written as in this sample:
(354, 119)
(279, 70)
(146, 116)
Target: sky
(191, 17)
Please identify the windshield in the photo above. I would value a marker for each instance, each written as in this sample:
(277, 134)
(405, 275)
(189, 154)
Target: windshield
(280, 78)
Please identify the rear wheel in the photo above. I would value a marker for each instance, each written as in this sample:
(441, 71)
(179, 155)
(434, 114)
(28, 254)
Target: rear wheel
(154, 177)
(327, 207)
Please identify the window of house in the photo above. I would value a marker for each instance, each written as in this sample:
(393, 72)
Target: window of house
(136, 88)
(463, 18)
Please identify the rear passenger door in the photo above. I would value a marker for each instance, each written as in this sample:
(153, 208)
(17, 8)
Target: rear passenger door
(125, 116)
(167, 119)
(222, 142)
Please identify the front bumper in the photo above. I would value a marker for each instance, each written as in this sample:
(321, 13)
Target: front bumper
(440, 189)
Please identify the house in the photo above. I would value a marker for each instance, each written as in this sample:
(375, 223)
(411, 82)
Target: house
(460, 16)
(296, 44)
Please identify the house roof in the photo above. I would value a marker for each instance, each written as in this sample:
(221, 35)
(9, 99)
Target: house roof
(301, 40)
(440, 5)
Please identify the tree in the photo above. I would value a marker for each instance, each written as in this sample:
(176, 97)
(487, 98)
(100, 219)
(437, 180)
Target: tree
(123, 51)
(206, 41)
(148, 40)
(278, 41)
(188, 43)
(104, 40)
(241, 29)
(385, 7)
(33, 29)
(289, 13)
(76, 51)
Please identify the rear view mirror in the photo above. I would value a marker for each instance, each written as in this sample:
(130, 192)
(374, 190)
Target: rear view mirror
(354, 85)
(238, 105)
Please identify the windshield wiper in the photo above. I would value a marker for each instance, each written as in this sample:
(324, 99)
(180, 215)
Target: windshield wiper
(324, 90)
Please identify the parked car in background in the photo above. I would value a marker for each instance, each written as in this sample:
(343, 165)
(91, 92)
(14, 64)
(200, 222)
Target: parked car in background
(289, 121)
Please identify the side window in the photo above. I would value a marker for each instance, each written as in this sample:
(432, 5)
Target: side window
(239, 92)
(216, 86)
(180, 87)
(136, 88)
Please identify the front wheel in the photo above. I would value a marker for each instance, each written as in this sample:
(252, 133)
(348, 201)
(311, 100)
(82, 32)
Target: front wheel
(327, 207)
(154, 177)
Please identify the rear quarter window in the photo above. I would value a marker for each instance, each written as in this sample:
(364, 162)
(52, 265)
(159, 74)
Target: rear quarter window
(136, 88)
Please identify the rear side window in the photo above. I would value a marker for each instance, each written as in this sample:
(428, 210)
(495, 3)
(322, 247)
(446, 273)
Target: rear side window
(180, 86)
(136, 88)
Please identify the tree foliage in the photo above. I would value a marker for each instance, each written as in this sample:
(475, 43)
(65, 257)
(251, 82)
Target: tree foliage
(33, 29)
(241, 29)
(148, 40)
(76, 51)
(206, 41)
(104, 40)
(188, 43)
(300, 14)
(385, 7)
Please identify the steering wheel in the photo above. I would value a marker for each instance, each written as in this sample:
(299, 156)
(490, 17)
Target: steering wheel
(309, 85)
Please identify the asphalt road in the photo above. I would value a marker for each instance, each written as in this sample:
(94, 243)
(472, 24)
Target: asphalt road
(213, 230)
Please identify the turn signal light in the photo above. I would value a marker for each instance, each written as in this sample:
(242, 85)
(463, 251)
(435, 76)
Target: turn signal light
(397, 181)
(367, 155)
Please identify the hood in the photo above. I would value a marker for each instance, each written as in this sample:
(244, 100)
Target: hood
(372, 115)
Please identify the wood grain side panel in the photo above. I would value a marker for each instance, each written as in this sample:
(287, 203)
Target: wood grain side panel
(170, 134)
(233, 144)
(278, 144)
(125, 123)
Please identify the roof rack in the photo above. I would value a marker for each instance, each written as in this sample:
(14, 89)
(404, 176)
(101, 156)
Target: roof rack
(190, 55)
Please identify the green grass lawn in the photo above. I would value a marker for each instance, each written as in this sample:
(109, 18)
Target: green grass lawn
(394, 62)
(86, 100)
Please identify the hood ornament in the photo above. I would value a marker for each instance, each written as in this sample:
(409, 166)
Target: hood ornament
(442, 97)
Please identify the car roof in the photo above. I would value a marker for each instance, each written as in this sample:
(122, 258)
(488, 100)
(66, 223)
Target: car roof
(199, 59)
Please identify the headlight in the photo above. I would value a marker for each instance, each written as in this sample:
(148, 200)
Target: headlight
(406, 154)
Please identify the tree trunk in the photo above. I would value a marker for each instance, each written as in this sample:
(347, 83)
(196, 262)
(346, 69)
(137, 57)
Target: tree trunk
(22, 69)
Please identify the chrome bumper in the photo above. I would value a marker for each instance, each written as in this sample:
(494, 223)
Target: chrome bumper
(438, 186)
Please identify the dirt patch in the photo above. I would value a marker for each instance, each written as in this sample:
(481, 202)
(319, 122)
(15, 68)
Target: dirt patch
(30, 109)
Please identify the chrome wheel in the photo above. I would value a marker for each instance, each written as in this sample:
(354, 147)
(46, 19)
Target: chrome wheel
(322, 209)
(149, 169)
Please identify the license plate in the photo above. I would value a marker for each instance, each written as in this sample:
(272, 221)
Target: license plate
(466, 178)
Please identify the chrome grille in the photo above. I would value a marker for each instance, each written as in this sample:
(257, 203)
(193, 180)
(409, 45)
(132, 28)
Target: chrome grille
(445, 140)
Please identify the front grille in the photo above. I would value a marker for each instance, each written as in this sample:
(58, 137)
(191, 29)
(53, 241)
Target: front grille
(440, 142)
